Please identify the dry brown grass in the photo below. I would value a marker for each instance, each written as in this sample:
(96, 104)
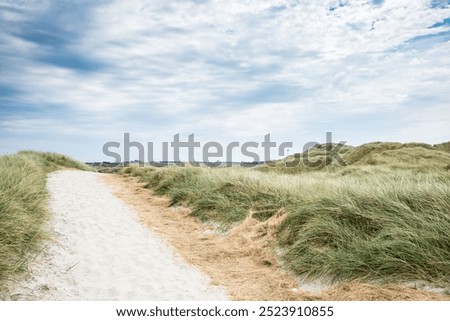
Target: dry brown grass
(368, 292)
(242, 260)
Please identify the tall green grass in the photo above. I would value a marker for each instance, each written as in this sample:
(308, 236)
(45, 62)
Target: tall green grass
(23, 208)
(368, 220)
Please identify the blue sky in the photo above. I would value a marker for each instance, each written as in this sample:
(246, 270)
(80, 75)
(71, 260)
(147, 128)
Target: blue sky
(77, 74)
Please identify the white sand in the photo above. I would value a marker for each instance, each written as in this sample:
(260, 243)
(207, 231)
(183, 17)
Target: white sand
(102, 252)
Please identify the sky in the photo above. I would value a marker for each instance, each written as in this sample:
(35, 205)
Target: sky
(75, 75)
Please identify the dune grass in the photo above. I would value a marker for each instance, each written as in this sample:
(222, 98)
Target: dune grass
(370, 220)
(413, 156)
(23, 208)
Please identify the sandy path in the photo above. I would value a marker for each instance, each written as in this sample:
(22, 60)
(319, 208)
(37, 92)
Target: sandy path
(101, 252)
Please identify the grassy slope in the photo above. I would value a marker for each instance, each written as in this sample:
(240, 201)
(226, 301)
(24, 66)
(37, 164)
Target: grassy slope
(384, 216)
(414, 156)
(23, 206)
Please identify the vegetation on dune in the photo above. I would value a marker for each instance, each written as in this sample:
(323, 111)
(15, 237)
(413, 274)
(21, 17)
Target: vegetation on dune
(54, 161)
(384, 216)
(417, 156)
(23, 206)
(443, 147)
(379, 227)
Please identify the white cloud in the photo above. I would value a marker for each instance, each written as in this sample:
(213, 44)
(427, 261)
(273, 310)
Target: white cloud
(239, 68)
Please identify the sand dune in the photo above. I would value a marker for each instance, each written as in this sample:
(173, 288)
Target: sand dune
(101, 252)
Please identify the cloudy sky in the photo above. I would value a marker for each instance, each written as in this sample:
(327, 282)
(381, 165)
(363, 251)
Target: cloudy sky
(77, 74)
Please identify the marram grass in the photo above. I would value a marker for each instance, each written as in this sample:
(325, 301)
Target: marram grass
(23, 207)
(385, 216)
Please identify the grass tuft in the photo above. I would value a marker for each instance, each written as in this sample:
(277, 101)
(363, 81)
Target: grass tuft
(23, 210)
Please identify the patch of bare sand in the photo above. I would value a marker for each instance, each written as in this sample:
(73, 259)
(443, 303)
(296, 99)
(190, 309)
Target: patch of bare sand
(243, 260)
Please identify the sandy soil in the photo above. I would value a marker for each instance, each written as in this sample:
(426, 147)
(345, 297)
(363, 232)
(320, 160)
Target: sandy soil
(243, 260)
(100, 251)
